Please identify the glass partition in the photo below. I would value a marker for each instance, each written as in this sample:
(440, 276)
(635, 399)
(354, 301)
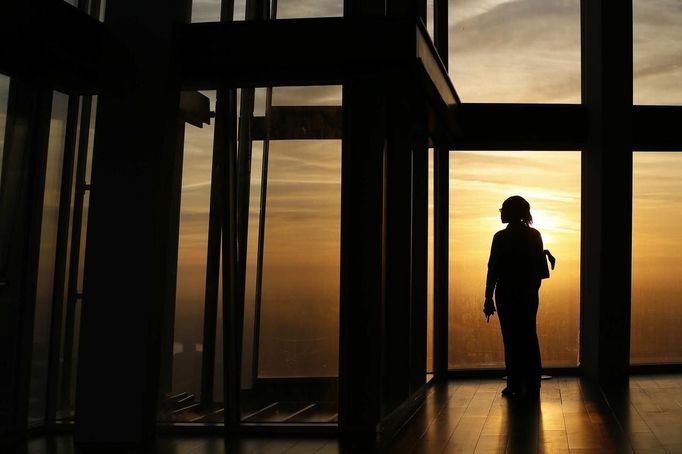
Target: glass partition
(479, 183)
(46, 261)
(657, 52)
(291, 315)
(656, 328)
(515, 51)
(182, 401)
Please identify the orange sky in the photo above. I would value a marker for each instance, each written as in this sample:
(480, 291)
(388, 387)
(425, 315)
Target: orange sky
(501, 51)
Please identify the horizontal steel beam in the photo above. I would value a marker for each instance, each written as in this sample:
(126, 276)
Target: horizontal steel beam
(520, 127)
(299, 123)
(50, 42)
(657, 128)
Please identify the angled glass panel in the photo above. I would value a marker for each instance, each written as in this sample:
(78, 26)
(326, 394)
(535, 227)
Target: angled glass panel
(656, 329)
(479, 183)
(515, 51)
(182, 403)
(291, 314)
(657, 52)
(46, 261)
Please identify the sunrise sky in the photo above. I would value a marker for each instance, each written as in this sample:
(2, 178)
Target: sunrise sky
(500, 51)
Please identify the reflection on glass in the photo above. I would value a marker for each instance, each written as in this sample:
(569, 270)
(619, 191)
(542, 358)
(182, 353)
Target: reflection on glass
(479, 183)
(4, 92)
(656, 263)
(46, 260)
(290, 358)
(185, 394)
(430, 267)
(657, 51)
(515, 51)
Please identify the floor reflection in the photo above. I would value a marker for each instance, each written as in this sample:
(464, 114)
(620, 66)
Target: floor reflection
(470, 416)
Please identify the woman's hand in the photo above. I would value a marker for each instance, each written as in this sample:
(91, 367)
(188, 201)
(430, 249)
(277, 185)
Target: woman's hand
(488, 308)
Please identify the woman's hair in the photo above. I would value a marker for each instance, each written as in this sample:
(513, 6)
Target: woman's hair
(516, 208)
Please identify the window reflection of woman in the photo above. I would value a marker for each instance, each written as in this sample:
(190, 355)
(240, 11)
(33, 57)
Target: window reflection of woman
(515, 269)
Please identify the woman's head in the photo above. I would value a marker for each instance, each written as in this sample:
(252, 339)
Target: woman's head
(516, 209)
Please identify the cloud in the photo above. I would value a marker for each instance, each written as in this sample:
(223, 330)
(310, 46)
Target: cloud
(516, 51)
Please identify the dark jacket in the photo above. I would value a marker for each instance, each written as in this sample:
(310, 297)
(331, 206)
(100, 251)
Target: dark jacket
(517, 260)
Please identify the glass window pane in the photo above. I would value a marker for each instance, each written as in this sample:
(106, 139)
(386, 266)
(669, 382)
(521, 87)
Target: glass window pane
(206, 10)
(430, 269)
(515, 51)
(185, 391)
(46, 260)
(479, 183)
(290, 359)
(298, 9)
(656, 262)
(657, 51)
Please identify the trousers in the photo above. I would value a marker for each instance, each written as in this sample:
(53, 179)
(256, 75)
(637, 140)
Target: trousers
(517, 309)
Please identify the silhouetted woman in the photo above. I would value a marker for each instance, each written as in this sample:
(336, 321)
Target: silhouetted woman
(516, 267)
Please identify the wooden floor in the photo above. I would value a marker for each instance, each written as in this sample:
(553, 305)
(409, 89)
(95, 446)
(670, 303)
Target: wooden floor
(471, 417)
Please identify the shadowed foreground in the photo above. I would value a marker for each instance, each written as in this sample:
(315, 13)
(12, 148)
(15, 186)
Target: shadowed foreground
(470, 416)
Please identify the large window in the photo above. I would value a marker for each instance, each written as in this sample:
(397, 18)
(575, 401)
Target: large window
(479, 183)
(657, 51)
(656, 261)
(515, 51)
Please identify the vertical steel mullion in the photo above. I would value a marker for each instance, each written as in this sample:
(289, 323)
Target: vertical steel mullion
(74, 254)
(213, 264)
(261, 223)
(441, 201)
(261, 234)
(233, 307)
(61, 251)
(244, 154)
(226, 113)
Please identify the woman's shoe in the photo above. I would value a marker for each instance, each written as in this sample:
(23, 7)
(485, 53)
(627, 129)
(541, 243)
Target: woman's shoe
(511, 392)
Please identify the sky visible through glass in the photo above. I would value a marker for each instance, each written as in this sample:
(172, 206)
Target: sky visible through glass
(525, 51)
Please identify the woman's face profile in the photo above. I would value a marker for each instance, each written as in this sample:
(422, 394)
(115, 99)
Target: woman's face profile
(503, 216)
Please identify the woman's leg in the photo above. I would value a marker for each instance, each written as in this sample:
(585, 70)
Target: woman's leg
(511, 338)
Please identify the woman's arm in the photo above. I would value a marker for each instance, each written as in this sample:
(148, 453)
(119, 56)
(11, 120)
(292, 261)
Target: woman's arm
(493, 269)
